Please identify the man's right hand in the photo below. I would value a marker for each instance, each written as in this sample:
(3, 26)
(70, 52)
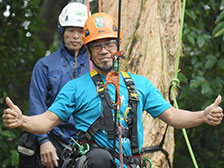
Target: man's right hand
(48, 155)
(12, 116)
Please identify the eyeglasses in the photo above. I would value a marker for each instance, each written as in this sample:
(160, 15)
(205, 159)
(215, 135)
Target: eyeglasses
(109, 45)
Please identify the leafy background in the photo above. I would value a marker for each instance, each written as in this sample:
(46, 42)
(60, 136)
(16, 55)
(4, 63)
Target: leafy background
(201, 75)
(19, 50)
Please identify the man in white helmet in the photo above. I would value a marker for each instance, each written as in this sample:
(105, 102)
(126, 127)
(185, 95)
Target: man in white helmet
(49, 75)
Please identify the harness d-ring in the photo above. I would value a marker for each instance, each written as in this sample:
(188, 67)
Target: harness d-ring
(126, 113)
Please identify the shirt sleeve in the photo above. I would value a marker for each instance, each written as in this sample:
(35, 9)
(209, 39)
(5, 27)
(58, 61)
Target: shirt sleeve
(155, 104)
(37, 94)
(65, 103)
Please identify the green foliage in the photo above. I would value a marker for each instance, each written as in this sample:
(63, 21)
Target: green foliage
(201, 76)
(19, 50)
(219, 29)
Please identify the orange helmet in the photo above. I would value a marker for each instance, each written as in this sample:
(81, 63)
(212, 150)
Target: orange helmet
(99, 26)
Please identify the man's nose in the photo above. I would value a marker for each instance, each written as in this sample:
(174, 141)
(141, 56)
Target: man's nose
(76, 35)
(103, 49)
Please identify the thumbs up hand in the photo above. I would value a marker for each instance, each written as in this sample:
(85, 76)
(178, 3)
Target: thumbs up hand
(213, 114)
(12, 116)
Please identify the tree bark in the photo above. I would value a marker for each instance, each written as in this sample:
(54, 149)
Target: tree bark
(150, 39)
(50, 12)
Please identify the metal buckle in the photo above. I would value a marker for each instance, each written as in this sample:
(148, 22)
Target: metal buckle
(100, 87)
(133, 95)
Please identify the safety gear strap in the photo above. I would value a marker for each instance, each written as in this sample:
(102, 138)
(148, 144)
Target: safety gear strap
(107, 112)
(133, 100)
(157, 148)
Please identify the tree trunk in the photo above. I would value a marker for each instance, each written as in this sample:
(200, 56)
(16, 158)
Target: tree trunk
(150, 39)
(50, 12)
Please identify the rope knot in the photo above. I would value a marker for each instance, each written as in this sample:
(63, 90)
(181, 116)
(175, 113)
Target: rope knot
(175, 82)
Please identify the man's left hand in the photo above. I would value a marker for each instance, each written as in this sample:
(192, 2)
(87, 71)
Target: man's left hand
(213, 114)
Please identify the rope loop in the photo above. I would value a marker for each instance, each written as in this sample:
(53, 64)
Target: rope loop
(175, 82)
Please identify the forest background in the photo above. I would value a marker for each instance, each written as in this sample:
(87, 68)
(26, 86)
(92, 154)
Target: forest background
(28, 32)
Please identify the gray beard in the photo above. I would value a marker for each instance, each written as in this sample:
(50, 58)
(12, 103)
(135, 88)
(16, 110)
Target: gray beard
(105, 67)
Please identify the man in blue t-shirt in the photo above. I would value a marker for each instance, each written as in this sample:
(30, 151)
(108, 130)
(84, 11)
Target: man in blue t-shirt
(82, 99)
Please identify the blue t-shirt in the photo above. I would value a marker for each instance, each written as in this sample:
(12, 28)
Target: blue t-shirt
(80, 99)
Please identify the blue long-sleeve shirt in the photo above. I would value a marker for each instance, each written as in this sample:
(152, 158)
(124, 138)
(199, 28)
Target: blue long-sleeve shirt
(49, 75)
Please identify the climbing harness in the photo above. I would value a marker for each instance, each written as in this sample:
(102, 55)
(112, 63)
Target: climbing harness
(105, 120)
(106, 117)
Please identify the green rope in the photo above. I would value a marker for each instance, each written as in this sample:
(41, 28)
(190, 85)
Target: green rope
(149, 161)
(176, 82)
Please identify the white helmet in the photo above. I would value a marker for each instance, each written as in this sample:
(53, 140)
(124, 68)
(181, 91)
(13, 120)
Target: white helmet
(73, 14)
